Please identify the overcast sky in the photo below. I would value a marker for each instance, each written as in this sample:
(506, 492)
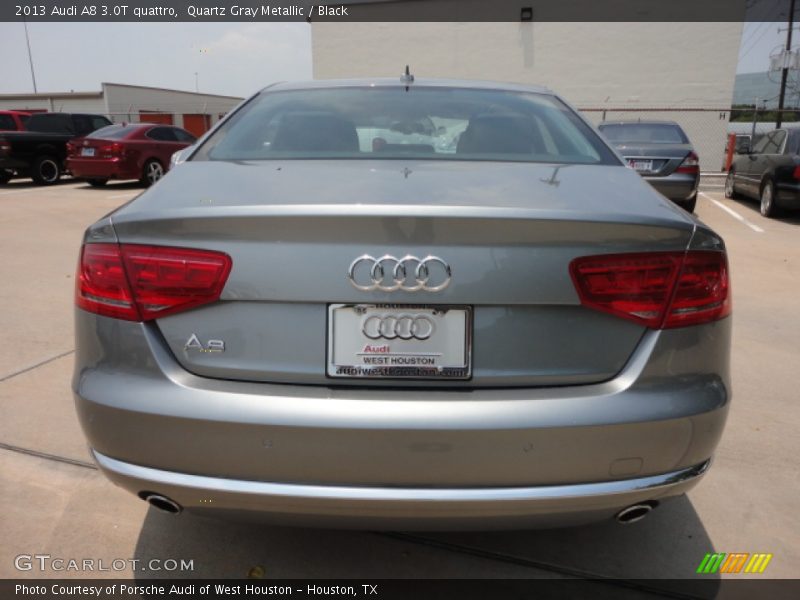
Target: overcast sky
(229, 58)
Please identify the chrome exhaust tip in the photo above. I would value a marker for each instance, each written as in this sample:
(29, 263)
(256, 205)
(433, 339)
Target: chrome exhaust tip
(635, 512)
(162, 503)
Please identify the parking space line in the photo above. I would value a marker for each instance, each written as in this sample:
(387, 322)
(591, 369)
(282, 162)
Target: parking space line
(733, 213)
(115, 196)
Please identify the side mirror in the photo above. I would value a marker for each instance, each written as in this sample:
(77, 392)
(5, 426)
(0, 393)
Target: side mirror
(180, 156)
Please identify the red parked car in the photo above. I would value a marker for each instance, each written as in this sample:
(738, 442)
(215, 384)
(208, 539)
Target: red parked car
(126, 151)
(13, 120)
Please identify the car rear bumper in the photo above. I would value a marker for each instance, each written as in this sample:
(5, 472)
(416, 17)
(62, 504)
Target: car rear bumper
(98, 168)
(174, 433)
(678, 187)
(789, 195)
(418, 508)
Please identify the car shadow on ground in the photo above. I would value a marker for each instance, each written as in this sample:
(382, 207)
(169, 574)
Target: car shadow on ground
(752, 211)
(665, 549)
(23, 184)
(112, 186)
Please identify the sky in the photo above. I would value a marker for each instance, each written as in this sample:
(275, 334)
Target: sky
(759, 41)
(235, 59)
(229, 58)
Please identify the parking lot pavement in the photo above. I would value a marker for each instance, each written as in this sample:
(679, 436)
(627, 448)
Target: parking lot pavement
(55, 502)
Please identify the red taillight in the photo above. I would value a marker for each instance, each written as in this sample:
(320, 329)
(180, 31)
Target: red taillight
(110, 150)
(659, 289)
(690, 164)
(795, 173)
(141, 283)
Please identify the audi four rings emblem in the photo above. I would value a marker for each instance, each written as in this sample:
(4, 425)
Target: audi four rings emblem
(391, 327)
(409, 274)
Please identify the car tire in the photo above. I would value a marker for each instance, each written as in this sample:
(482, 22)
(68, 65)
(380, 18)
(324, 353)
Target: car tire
(5, 176)
(730, 188)
(97, 182)
(152, 172)
(46, 170)
(768, 207)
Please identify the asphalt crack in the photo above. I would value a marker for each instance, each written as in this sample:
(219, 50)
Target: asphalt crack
(36, 366)
(54, 457)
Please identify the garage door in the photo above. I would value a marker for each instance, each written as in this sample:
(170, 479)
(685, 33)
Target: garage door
(196, 124)
(149, 116)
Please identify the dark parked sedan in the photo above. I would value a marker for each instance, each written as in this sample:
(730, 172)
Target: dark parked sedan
(128, 151)
(769, 172)
(308, 325)
(660, 152)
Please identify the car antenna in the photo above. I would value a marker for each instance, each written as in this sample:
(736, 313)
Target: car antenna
(407, 78)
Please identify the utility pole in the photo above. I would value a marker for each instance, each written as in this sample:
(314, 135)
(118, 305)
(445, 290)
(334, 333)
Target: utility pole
(30, 58)
(785, 72)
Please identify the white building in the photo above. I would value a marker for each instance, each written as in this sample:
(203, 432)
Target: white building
(661, 66)
(193, 111)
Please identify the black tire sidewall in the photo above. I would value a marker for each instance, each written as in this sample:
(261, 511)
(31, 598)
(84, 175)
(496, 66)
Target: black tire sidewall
(37, 166)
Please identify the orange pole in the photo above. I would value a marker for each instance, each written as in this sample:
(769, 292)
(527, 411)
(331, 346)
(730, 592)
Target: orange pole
(731, 149)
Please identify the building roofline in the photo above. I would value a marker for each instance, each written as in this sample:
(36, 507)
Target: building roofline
(99, 94)
(161, 89)
(46, 95)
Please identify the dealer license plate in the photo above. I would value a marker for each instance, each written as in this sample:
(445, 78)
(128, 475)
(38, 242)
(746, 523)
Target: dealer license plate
(641, 165)
(399, 342)
(87, 151)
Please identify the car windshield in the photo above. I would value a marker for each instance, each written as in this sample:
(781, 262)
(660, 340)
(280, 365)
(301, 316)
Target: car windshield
(644, 133)
(113, 132)
(391, 122)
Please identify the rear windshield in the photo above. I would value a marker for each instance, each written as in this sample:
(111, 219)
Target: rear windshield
(645, 133)
(50, 123)
(113, 132)
(425, 123)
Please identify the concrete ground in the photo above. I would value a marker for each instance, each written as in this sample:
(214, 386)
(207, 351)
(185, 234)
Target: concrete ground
(55, 502)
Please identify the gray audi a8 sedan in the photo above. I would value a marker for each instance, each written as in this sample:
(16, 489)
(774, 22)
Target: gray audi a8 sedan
(391, 303)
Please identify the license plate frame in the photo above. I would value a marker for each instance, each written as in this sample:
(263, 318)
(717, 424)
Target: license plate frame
(87, 152)
(399, 357)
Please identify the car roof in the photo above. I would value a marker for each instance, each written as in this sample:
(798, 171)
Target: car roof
(641, 122)
(388, 82)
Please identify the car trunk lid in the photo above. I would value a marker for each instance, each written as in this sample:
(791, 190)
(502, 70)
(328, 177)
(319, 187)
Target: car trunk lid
(507, 232)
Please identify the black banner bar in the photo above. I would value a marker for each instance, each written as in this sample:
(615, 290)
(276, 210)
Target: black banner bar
(401, 589)
(394, 10)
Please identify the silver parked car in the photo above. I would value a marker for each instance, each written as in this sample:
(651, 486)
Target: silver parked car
(660, 152)
(317, 320)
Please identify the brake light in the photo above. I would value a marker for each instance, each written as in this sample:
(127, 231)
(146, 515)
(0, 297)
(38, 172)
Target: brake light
(690, 164)
(140, 283)
(111, 150)
(795, 173)
(70, 149)
(660, 290)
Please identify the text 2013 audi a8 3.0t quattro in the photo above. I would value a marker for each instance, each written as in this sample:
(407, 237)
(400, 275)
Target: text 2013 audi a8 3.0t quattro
(394, 303)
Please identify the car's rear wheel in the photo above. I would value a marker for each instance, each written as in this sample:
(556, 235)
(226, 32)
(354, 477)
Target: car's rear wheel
(768, 207)
(97, 182)
(730, 188)
(5, 176)
(46, 170)
(152, 172)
